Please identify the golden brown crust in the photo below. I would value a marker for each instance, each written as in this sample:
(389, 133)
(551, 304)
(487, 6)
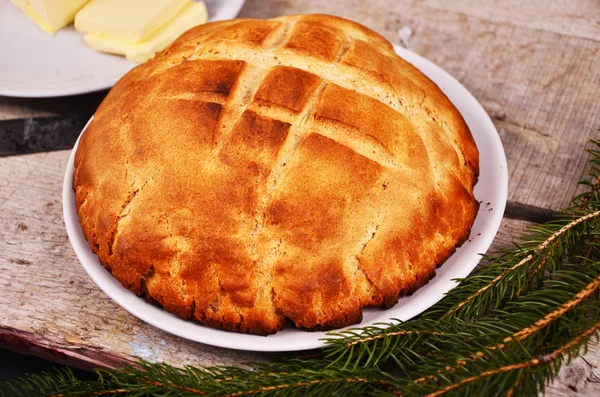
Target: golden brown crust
(261, 170)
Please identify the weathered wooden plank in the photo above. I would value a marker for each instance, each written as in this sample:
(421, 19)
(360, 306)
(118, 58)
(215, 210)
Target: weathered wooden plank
(508, 234)
(578, 18)
(580, 378)
(11, 172)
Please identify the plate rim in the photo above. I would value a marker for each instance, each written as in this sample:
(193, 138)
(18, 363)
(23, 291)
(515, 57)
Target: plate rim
(107, 83)
(273, 343)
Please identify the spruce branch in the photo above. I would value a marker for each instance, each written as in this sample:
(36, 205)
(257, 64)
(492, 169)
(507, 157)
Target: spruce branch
(539, 249)
(523, 334)
(540, 360)
(518, 320)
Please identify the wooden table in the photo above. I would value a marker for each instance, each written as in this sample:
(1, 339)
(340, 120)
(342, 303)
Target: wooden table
(535, 67)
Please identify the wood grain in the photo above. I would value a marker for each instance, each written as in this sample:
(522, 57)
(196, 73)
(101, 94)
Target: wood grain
(580, 378)
(535, 67)
(577, 18)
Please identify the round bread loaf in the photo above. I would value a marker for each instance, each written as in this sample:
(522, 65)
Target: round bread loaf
(263, 170)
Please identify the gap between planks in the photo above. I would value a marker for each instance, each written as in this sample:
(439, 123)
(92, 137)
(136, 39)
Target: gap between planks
(530, 213)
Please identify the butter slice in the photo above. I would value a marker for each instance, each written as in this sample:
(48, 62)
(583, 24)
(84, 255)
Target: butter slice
(50, 15)
(127, 20)
(193, 14)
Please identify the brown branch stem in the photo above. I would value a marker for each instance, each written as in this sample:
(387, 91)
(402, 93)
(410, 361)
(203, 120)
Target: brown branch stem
(96, 393)
(523, 261)
(544, 359)
(388, 334)
(294, 385)
(582, 205)
(593, 189)
(527, 332)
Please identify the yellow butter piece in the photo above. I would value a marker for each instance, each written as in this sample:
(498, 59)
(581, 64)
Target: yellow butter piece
(50, 15)
(193, 14)
(127, 20)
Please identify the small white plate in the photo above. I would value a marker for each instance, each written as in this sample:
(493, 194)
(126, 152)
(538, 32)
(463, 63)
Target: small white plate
(35, 64)
(491, 190)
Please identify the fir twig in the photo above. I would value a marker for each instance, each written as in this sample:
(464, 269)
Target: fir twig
(526, 259)
(545, 359)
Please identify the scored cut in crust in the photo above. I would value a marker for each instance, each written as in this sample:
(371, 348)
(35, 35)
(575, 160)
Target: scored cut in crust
(263, 170)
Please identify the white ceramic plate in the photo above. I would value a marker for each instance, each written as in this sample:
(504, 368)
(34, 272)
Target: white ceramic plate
(35, 64)
(491, 188)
